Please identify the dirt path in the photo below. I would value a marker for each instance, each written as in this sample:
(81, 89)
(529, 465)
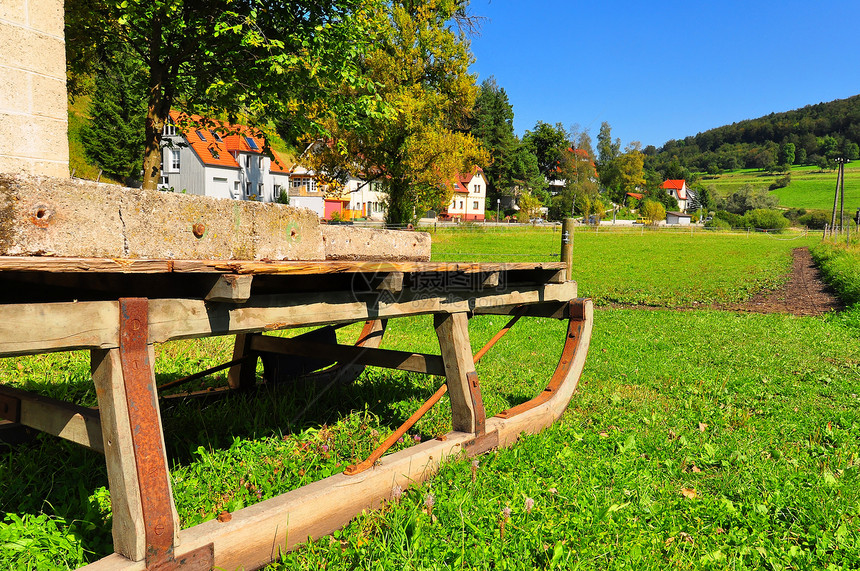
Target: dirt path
(804, 294)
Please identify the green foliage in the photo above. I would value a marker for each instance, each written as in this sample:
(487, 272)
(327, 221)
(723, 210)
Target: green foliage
(283, 197)
(718, 224)
(732, 219)
(840, 265)
(765, 219)
(815, 220)
(419, 68)
(748, 198)
(781, 182)
(39, 542)
(269, 62)
(652, 210)
(113, 138)
(547, 143)
(817, 131)
(787, 154)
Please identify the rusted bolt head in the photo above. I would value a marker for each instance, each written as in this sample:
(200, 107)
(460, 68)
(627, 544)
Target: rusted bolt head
(40, 215)
(198, 229)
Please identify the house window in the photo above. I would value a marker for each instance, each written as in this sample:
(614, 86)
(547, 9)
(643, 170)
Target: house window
(461, 205)
(260, 189)
(201, 135)
(235, 187)
(216, 136)
(260, 165)
(247, 189)
(475, 205)
(477, 189)
(276, 190)
(169, 129)
(174, 159)
(164, 180)
(214, 151)
(247, 161)
(252, 143)
(309, 183)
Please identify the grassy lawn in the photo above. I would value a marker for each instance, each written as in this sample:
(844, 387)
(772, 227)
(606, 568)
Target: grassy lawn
(698, 439)
(810, 188)
(659, 268)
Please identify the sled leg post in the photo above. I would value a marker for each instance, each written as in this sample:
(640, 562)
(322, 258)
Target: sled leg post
(243, 375)
(146, 524)
(467, 407)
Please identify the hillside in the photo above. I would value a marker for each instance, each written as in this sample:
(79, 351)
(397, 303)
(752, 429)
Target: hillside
(821, 131)
(810, 187)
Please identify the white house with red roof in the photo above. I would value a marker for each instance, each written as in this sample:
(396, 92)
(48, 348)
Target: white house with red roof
(470, 193)
(214, 158)
(677, 189)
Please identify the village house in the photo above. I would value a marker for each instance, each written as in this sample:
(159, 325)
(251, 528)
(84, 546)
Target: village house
(221, 160)
(678, 190)
(468, 202)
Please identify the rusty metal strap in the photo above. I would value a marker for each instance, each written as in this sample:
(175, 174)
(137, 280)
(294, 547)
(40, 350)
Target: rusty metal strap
(477, 402)
(139, 382)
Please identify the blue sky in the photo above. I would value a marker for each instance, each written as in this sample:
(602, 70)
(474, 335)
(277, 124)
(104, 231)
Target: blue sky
(665, 70)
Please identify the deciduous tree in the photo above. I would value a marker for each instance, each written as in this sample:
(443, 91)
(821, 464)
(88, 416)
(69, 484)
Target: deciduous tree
(272, 61)
(420, 67)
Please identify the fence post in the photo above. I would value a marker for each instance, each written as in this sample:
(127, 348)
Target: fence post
(567, 246)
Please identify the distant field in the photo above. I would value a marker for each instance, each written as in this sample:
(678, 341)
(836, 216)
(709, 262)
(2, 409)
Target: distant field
(659, 268)
(810, 188)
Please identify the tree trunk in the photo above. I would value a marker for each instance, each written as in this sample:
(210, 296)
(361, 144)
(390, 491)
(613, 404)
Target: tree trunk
(401, 207)
(158, 109)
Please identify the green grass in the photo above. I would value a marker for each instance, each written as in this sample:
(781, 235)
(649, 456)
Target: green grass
(698, 439)
(642, 267)
(810, 188)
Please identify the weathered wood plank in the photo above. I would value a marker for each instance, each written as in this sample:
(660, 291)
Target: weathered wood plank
(69, 421)
(453, 333)
(128, 529)
(348, 354)
(230, 288)
(41, 328)
(274, 267)
(46, 327)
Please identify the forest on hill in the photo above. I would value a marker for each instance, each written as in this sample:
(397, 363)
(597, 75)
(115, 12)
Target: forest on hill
(815, 134)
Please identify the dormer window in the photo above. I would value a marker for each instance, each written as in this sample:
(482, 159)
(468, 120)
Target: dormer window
(169, 129)
(216, 136)
(201, 135)
(214, 151)
(252, 144)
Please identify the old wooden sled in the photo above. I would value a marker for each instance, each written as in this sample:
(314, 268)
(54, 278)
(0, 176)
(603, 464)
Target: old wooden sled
(117, 309)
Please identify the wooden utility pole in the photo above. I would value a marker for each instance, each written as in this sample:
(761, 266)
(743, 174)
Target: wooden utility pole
(567, 246)
(839, 198)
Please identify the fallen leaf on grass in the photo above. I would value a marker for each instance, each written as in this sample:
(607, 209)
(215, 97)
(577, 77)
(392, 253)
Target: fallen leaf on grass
(689, 493)
(702, 427)
(603, 434)
(695, 469)
(686, 537)
(672, 435)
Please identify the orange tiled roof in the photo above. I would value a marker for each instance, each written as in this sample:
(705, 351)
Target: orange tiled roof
(678, 185)
(213, 147)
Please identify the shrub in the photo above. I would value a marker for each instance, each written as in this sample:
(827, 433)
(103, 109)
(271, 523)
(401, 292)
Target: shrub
(733, 220)
(766, 219)
(718, 224)
(781, 182)
(816, 219)
(652, 210)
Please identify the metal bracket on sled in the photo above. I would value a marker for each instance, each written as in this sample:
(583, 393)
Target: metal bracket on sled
(149, 457)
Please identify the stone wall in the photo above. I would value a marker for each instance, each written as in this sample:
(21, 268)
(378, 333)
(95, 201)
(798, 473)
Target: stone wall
(33, 101)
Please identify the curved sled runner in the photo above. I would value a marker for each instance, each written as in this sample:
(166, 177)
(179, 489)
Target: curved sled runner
(81, 304)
